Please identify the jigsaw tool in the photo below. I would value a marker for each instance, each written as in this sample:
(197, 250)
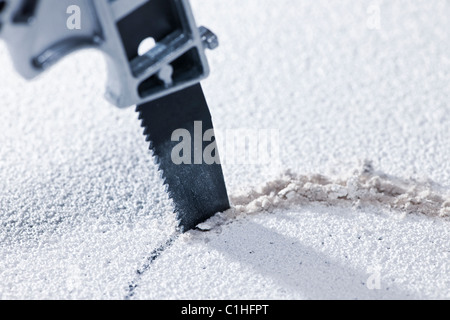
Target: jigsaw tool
(162, 80)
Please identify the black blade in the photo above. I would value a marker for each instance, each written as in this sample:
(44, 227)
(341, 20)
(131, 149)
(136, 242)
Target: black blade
(197, 190)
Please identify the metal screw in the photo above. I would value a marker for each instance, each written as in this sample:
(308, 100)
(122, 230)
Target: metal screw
(209, 39)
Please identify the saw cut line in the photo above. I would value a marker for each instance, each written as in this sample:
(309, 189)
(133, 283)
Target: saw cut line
(155, 254)
(363, 186)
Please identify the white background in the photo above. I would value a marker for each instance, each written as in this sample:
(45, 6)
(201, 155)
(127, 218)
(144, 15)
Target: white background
(82, 206)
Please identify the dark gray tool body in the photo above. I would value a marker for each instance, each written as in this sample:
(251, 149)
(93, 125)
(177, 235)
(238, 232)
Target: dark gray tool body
(163, 82)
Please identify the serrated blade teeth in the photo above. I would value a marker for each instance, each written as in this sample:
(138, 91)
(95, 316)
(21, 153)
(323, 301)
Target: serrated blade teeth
(197, 190)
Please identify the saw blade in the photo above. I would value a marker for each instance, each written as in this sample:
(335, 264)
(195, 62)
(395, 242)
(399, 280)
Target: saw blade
(197, 189)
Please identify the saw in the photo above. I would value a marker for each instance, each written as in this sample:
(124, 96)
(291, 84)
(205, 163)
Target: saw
(156, 60)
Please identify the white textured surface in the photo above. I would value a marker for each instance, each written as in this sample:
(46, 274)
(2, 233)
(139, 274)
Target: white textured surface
(82, 206)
